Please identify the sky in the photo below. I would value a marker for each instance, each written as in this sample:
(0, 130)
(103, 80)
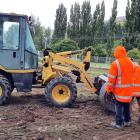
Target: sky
(46, 9)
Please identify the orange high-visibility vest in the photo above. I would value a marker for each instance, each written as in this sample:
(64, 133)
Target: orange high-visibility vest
(120, 77)
(136, 85)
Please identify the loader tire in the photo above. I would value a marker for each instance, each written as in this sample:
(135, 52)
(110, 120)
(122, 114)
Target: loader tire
(5, 90)
(106, 100)
(61, 92)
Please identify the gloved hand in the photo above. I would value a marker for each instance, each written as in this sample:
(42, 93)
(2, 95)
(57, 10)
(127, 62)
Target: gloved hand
(108, 89)
(110, 96)
(109, 93)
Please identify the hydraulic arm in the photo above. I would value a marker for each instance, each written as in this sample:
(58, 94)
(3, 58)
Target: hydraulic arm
(56, 62)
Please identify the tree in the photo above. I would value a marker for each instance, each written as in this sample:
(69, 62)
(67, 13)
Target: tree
(60, 24)
(95, 21)
(100, 22)
(128, 39)
(128, 24)
(74, 23)
(99, 50)
(39, 31)
(135, 15)
(134, 53)
(113, 17)
(119, 31)
(47, 36)
(85, 25)
(64, 45)
(112, 28)
(132, 25)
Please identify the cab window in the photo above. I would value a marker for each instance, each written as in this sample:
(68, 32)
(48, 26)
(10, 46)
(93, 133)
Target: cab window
(9, 35)
(29, 45)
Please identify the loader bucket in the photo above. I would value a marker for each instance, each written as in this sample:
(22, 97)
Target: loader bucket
(106, 100)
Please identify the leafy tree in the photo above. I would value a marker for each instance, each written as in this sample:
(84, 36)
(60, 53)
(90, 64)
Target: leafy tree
(132, 25)
(100, 32)
(128, 41)
(117, 42)
(98, 23)
(85, 25)
(128, 24)
(38, 36)
(137, 42)
(60, 24)
(98, 50)
(74, 23)
(42, 35)
(135, 15)
(84, 28)
(105, 32)
(112, 28)
(134, 53)
(120, 29)
(64, 45)
(95, 21)
(47, 35)
(113, 17)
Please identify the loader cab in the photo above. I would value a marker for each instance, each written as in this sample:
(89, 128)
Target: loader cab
(18, 55)
(17, 50)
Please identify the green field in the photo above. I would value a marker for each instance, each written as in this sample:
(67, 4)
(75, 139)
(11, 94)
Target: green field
(94, 72)
(98, 68)
(100, 65)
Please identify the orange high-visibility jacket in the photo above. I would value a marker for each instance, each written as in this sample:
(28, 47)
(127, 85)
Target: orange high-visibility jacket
(120, 77)
(136, 85)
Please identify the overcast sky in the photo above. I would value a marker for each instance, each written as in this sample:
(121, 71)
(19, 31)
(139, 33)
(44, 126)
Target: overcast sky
(46, 9)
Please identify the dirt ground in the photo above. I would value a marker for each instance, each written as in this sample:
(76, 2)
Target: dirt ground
(28, 117)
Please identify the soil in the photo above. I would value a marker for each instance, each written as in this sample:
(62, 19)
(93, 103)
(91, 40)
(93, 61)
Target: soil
(28, 117)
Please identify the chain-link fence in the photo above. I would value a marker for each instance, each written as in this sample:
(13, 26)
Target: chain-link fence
(107, 60)
(95, 59)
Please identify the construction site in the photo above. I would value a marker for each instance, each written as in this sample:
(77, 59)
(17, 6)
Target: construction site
(28, 117)
(76, 81)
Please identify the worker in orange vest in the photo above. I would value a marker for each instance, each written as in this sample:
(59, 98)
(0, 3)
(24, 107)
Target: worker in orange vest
(120, 83)
(136, 85)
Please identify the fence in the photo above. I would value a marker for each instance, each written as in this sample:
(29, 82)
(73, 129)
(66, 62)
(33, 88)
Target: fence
(98, 59)
(95, 59)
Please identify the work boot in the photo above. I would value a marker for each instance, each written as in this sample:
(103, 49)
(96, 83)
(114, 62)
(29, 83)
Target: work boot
(138, 120)
(113, 124)
(127, 124)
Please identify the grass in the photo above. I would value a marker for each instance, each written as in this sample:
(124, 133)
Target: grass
(98, 68)
(100, 65)
(97, 71)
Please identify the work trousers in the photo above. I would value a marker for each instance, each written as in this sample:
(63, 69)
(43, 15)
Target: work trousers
(122, 112)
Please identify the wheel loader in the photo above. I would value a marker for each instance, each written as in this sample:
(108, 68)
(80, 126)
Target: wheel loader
(19, 66)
